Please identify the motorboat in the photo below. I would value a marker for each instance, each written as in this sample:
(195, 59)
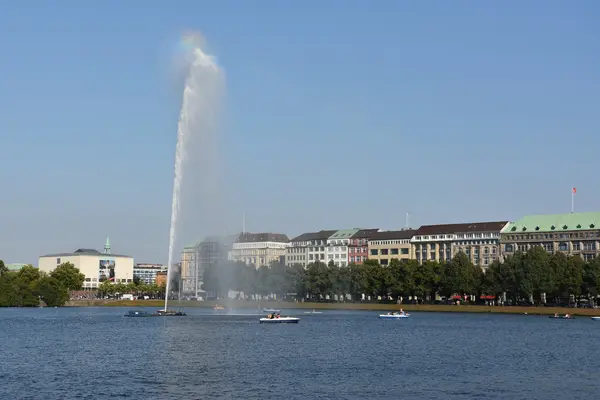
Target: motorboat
(271, 310)
(394, 316)
(279, 320)
(133, 313)
(313, 312)
(170, 313)
(561, 317)
(218, 307)
(596, 318)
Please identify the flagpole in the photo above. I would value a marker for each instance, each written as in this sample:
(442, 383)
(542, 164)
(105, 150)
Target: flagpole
(573, 191)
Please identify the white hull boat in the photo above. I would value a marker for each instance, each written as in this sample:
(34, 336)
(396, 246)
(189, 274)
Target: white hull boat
(280, 320)
(393, 316)
(596, 318)
(313, 312)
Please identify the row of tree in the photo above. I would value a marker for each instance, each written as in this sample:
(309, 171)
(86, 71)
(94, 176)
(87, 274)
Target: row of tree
(30, 287)
(526, 277)
(137, 288)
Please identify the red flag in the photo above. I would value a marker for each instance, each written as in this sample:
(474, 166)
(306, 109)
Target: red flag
(574, 190)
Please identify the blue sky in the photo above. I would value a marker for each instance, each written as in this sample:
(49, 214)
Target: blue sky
(355, 111)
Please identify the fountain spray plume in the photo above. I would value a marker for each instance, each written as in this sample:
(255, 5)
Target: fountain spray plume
(197, 125)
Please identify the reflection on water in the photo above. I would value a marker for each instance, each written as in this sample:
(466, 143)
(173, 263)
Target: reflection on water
(96, 353)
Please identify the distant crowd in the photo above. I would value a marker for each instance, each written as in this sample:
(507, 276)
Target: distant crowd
(83, 295)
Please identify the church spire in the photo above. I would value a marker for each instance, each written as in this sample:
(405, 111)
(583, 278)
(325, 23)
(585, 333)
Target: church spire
(107, 246)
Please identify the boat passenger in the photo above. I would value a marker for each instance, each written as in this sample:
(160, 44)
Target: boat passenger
(555, 315)
(567, 316)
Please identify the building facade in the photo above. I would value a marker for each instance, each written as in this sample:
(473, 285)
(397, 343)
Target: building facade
(358, 247)
(146, 273)
(188, 270)
(260, 249)
(336, 250)
(297, 251)
(195, 259)
(572, 234)
(96, 266)
(480, 241)
(386, 245)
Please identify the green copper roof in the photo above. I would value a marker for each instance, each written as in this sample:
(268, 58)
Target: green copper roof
(344, 234)
(555, 223)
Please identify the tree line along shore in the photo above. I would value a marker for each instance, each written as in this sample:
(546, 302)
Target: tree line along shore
(529, 278)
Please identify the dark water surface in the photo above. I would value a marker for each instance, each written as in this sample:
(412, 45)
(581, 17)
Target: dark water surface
(96, 353)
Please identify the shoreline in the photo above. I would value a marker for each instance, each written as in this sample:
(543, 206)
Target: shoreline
(475, 309)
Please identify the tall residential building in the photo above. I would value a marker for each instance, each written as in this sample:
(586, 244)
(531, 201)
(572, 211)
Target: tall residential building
(146, 273)
(337, 246)
(195, 259)
(387, 245)
(260, 249)
(359, 245)
(573, 234)
(308, 248)
(297, 251)
(188, 270)
(478, 240)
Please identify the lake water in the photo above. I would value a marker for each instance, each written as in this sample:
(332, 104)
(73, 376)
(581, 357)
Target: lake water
(96, 353)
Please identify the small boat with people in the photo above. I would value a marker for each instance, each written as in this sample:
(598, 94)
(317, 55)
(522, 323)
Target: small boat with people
(218, 307)
(395, 315)
(596, 318)
(557, 316)
(275, 318)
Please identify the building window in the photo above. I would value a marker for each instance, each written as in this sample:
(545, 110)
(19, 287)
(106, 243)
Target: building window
(384, 252)
(576, 246)
(383, 261)
(562, 246)
(394, 251)
(589, 246)
(373, 252)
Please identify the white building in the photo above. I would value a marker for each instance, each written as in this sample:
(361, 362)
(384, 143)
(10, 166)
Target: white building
(337, 247)
(259, 249)
(96, 266)
(147, 272)
(297, 251)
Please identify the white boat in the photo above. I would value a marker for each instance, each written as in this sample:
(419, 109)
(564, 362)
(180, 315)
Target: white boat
(393, 316)
(596, 318)
(280, 320)
(313, 312)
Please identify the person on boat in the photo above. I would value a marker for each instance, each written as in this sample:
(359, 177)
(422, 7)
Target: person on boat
(555, 315)
(401, 311)
(567, 316)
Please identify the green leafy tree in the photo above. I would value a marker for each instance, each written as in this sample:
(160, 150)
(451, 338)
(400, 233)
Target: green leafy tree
(68, 276)
(3, 268)
(51, 291)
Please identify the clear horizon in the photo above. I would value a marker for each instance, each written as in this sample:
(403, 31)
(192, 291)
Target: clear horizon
(337, 115)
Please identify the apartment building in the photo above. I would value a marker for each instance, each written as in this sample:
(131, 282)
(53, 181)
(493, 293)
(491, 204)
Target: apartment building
(260, 249)
(385, 245)
(297, 251)
(573, 234)
(478, 240)
(358, 247)
(337, 247)
(146, 273)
